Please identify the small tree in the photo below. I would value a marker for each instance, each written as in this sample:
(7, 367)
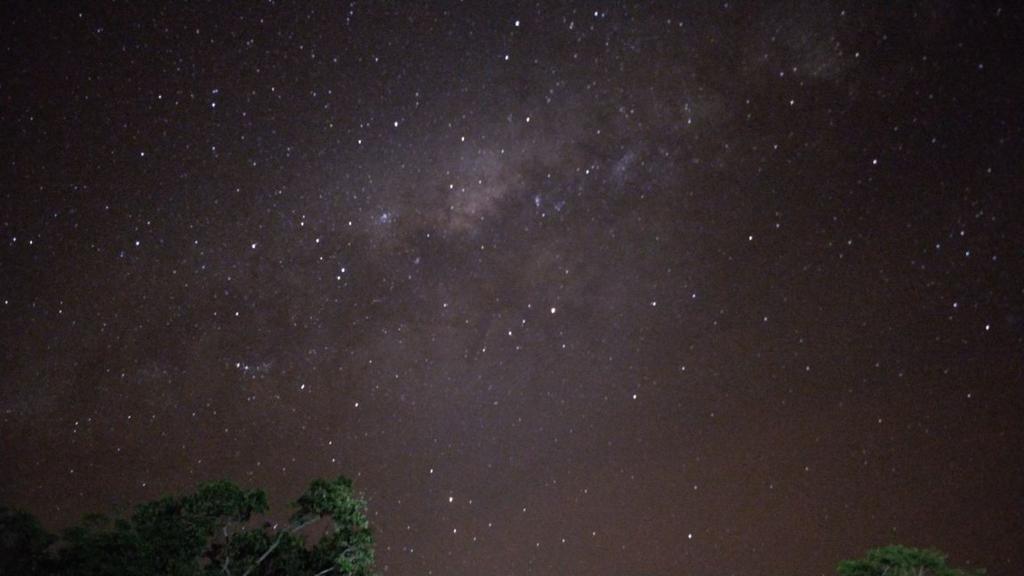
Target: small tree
(902, 561)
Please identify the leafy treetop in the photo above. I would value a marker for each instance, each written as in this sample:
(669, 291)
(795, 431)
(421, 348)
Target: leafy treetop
(201, 534)
(902, 561)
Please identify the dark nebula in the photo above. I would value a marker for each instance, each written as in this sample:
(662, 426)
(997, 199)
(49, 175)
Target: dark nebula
(591, 288)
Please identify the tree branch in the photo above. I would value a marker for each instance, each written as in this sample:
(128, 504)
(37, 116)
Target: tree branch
(227, 557)
(304, 524)
(277, 542)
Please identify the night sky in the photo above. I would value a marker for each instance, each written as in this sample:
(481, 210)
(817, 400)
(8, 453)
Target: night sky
(592, 288)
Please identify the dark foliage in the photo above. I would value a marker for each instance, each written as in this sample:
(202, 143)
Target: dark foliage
(207, 532)
(902, 561)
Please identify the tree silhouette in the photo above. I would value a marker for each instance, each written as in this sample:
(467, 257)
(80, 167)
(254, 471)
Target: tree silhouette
(902, 561)
(24, 545)
(203, 533)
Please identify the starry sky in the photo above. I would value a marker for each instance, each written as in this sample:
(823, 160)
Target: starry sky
(567, 288)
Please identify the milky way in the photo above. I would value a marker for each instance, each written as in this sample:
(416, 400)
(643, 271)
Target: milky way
(591, 289)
